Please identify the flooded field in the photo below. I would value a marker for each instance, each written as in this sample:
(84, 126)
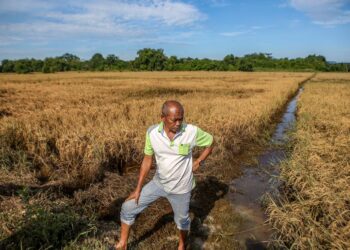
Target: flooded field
(71, 146)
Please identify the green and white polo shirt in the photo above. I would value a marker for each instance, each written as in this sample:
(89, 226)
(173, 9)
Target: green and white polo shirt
(174, 157)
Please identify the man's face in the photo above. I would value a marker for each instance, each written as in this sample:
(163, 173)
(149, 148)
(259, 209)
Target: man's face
(174, 119)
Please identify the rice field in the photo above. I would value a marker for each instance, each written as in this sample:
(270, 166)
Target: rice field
(71, 145)
(314, 212)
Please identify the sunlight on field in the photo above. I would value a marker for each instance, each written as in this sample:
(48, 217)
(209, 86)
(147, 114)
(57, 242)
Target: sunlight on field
(68, 124)
(66, 130)
(315, 214)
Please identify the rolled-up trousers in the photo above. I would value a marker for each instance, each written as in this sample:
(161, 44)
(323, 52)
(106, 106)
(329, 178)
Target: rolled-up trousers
(150, 192)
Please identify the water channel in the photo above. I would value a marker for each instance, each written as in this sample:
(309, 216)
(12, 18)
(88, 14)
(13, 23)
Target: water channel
(259, 179)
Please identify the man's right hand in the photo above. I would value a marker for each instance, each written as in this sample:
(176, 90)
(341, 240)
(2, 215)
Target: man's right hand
(134, 195)
(145, 167)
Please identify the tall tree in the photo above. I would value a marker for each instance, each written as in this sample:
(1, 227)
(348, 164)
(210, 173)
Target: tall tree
(150, 59)
(230, 59)
(23, 66)
(171, 63)
(97, 62)
(70, 61)
(8, 66)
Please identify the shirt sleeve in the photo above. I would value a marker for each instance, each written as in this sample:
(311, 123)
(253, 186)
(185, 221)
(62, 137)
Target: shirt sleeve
(203, 139)
(148, 146)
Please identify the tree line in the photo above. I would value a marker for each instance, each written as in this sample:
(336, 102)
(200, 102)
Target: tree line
(155, 60)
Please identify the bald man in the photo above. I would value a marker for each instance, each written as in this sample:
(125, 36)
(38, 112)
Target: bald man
(171, 142)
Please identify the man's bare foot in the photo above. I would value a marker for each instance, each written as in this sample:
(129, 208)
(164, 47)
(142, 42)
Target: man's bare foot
(181, 247)
(120, 246)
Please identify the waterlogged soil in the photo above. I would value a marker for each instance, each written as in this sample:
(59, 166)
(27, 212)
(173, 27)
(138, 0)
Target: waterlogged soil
(225, 214)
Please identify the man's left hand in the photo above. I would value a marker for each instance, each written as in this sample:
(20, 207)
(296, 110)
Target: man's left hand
(195, 166)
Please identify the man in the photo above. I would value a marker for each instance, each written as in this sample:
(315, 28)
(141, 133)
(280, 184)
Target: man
(171, 142)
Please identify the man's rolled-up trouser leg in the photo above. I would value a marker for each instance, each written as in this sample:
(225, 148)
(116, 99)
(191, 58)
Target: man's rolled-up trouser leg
(181, 204)
(149, 193)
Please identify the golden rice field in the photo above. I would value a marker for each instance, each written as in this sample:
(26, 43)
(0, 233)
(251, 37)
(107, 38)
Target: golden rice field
(70, 145)
(315, 210)
(69, 126)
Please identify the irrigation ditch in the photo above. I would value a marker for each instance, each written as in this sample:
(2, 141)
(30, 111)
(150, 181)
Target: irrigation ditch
(258, 181)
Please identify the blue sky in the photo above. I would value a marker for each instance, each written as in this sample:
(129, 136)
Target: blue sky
(206, 28)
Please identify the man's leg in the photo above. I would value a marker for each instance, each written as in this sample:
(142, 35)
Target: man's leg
(182, 239)
(149, 193)
(124, 235)
(181, 204)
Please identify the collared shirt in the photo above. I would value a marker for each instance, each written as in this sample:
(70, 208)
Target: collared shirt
(174, 157)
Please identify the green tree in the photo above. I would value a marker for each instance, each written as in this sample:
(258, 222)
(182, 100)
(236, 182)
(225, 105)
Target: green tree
(230, 59)
(97, 62)
(23, 66)
(171, 63)
(150, 59)
(36, 65)
(155, 59)
(69, 57)
(52, 65)
(70, 62)
(244, 65)
(8, 66)
(111, 61)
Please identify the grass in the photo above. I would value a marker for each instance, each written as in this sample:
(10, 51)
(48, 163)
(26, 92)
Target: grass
(42, 229)
(314, 211)
(67, 137)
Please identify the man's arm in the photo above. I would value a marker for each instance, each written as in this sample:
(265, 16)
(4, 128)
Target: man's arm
(203, 139)
(144, 170)
(206, 152)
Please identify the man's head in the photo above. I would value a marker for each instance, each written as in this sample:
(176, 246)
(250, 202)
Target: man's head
(172, 115)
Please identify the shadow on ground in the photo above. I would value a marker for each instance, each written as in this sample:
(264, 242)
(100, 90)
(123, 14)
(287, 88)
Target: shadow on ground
(204, 196)
(153, 227)
(42, 229)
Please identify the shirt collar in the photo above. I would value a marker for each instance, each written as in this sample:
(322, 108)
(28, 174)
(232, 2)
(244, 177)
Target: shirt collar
(161, 127)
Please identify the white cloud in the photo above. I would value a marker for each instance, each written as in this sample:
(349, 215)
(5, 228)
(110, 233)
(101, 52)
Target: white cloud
(8, 40)
(247, 30)
(168, 12)
(324, 12)
(120, 18)
(233, 33)
(24, 5)
(179, 38)
(165, 11)
(43, 29)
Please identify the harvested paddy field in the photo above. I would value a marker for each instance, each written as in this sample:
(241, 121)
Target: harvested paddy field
(313, 211)
(71, 145)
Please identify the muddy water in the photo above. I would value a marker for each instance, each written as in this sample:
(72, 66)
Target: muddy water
(257, 180)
